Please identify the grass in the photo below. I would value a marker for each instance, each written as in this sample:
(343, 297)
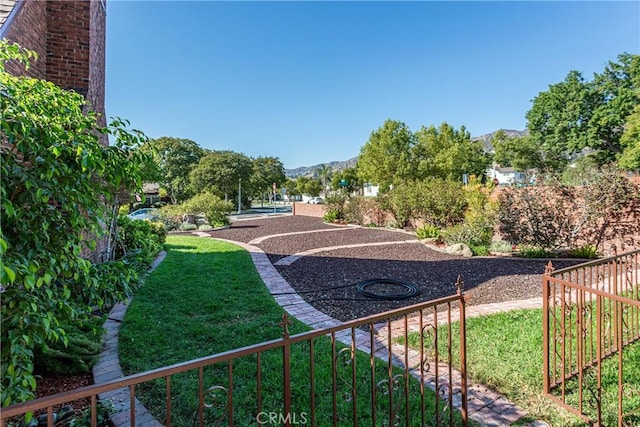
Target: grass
(205, 298)
(504, 352)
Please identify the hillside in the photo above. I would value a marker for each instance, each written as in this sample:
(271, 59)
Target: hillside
(340, 165)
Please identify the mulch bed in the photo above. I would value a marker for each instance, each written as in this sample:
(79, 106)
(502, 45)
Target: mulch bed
(486, 279)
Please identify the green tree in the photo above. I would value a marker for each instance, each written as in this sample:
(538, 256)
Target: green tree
(309, 186)
(448, 153)
(266, 171)
(386, 157)
(518, 152)
(350, 175)
(576, 114)
(174, 159)
(59, 185)
(222, 171)
(630, 141)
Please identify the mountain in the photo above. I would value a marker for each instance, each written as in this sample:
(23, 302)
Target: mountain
(487, 137)
(310, 170)
(338, 165)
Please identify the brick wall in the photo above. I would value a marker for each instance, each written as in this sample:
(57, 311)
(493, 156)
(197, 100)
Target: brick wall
(29, 30)
(97, 48)
(308, 209)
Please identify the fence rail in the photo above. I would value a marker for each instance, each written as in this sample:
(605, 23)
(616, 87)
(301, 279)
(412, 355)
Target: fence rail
(591, 332)
(361, 372)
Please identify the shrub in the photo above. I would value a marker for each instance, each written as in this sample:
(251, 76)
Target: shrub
(58, 187)
(186, 226)
(479, 250)
(530, 251)
(355, 209)
(435, 201)
(472, 234)
(554, 215)
(588, 252)
(335, 207)
(211, 206)
(84, 343)
(501, 246)
(171, 216)
(331, 216)
(139, 239)
(428, 231)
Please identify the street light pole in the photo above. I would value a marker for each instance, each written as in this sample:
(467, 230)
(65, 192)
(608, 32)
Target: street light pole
(239, 195)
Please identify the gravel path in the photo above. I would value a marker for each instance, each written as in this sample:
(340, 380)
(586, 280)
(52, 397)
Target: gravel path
(486, 279)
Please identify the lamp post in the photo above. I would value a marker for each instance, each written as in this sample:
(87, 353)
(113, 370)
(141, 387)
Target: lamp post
(239, 195)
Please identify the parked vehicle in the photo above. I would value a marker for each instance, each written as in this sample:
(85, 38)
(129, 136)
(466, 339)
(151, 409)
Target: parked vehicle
(316, 201)
(145, 213)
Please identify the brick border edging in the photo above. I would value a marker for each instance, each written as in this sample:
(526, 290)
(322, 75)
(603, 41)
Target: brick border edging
(108, 368)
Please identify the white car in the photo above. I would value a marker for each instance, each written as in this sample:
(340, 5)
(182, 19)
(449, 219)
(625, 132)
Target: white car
(146, 213)
(316, 201)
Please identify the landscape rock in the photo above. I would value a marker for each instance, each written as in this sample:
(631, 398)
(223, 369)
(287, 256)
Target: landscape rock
(459, 249)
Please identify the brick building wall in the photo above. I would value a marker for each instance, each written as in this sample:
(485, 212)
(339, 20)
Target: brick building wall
(27, 26)
(69, 38)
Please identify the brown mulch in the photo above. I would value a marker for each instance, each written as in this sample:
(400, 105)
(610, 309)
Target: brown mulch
(486, 279)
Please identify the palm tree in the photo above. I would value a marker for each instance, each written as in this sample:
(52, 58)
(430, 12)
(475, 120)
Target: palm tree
(325, 173)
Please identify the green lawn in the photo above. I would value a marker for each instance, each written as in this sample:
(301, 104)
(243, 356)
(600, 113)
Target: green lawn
(206, 297)
(504, 352)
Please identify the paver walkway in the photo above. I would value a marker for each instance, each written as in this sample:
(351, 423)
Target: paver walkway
(485, 406)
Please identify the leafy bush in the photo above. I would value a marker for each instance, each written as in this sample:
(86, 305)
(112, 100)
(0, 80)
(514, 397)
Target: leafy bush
(428, 231)
(335, 207)
(530, 251)
(84, 342)
(355, 210)
(59, 185)
(588, 252)
(139, 239)
(187, 226)
(554, 215)
(501, 246)
(435, 201)
(479, 250)
(211, 206)
(331, 216)
(171, 216)
(471, 234)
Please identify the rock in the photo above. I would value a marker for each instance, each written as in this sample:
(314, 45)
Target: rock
(459, 249)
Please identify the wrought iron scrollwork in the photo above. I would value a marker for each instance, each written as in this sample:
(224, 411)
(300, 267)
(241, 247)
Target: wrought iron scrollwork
(345, 357)
(217, 400)
(395, 388)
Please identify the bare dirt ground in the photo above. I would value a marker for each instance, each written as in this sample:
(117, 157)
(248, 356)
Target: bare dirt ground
(486, 279)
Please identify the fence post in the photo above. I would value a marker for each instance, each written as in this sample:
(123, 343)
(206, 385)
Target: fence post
(463, 351)
(286, 367)
(545, 326)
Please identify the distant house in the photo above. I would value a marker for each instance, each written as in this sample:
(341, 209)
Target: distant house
(370, 190)
(506, 176)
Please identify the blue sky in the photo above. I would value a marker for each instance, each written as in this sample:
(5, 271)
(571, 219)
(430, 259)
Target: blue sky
(309, 81)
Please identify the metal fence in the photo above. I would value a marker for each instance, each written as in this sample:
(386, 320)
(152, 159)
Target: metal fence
(591, 339)
(404, 367)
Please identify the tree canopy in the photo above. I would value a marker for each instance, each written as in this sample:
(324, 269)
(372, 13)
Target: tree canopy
(448, 153)
(519, 152)
(386, 157)
(577, 114)
(174, 159)
(222, 172)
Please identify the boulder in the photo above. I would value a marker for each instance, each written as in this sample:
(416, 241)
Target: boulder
(459, 249)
